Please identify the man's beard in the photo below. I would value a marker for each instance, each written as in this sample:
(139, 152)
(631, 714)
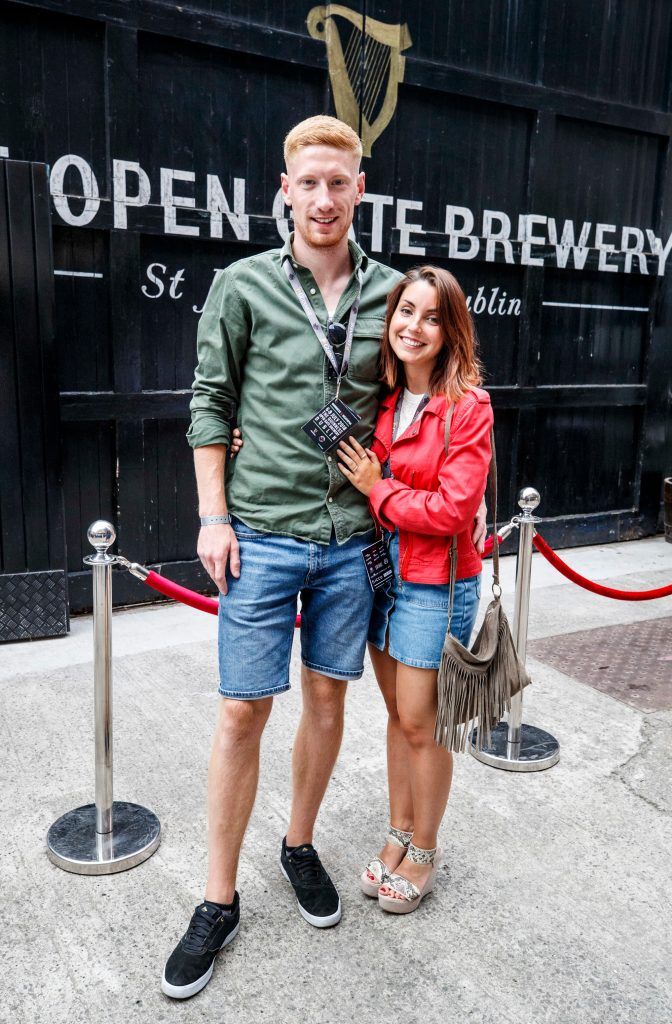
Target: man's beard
(317, 241)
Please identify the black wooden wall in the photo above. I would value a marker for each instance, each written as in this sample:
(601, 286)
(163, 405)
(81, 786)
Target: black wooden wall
(560, 109)
(33, 583)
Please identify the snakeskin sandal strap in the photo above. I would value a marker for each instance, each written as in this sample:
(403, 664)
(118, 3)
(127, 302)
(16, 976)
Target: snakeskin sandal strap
(379, 870)
(418, 856)
(403, 886)
(397, 837)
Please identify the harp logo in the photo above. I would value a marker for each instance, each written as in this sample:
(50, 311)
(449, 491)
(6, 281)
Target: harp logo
(365, 66)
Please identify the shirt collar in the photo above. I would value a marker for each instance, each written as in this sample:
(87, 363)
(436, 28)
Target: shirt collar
(360, 259)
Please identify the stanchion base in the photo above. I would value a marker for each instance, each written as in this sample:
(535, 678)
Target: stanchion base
(74, 845)
(538, 750)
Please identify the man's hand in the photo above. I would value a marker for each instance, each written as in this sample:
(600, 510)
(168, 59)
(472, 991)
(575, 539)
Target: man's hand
(478, 535)
(236, 442)
(218, 545)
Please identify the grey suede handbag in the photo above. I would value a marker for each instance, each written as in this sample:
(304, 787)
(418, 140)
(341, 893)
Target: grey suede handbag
(475, 686)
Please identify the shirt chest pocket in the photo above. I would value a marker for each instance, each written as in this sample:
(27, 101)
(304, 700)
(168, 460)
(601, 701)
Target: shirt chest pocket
(365, 354)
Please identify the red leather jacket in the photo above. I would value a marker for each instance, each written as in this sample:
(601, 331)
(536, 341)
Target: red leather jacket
(431, 497)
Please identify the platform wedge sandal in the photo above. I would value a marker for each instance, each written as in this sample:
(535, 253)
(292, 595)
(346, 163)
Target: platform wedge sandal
(376, 867)
(410, 896)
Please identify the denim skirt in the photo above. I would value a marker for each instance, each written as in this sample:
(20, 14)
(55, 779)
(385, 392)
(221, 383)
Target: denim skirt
(413, 617)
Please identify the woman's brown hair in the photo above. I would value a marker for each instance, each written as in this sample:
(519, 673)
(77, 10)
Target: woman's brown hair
(457, 369)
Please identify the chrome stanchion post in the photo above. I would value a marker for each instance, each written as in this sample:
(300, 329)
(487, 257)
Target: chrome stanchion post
(108, 836)
(102, 536)
(516, 747)
(528, 500)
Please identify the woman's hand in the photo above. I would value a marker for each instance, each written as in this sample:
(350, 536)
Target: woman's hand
(360, 465)
(236, 442)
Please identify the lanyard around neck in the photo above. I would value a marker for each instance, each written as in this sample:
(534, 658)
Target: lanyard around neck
(317, 326)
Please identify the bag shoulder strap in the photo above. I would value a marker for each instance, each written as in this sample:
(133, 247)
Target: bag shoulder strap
(491, 487)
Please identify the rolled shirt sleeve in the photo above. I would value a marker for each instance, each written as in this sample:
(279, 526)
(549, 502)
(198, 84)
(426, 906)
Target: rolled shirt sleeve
(462, 478)
(223, 337)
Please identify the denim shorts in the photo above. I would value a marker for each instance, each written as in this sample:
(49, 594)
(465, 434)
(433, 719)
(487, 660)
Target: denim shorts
(256, 617)
(414, 616)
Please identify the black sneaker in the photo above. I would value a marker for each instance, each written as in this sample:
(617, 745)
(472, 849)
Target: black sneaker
(319, 903)
(189, 966)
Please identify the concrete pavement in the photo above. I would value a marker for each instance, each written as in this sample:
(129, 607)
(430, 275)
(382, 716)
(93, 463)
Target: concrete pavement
(554, 900)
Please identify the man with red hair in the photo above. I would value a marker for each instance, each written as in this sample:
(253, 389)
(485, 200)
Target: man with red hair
(290, 339)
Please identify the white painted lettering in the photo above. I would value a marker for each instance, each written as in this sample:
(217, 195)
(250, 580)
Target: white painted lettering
(154, 279)
(633, 250)
(175, 282)
(378, 202)
(479, 301)
(90, 192)
(455, 233)
(566, 246)
(501, 236)
(217, 204)
(216, 273)
(526, 224)
(600, 231)
(658, 250)
(281, 222)
(120, 195)
(405, 229)
(171, 203)
(493, 305)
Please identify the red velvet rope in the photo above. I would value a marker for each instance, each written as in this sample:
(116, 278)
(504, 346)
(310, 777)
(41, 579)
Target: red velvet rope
(189, 597)
(178, 593)
(489, 545)
(211, 604)
(596, 588)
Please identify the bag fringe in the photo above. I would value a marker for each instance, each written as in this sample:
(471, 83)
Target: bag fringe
(476, 693)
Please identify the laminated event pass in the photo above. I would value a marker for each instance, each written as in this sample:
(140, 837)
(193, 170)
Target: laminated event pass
(331, 424)
(378, 564)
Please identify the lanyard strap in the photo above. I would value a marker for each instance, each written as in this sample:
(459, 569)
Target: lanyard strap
(317, 326)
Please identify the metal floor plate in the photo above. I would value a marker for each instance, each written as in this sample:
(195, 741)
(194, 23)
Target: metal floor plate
(631, 663)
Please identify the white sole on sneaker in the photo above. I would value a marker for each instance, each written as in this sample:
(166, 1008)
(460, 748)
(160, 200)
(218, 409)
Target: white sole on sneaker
(185, 991)
(317, 922)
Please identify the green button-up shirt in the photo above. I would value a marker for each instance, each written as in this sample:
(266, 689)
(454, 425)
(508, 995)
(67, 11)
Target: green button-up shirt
(258, 352)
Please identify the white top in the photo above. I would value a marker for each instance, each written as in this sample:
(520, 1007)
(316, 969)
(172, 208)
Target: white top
(409, 404)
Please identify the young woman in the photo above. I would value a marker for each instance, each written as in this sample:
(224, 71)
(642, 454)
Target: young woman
(421, 498)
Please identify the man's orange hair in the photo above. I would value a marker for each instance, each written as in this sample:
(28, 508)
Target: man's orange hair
(322, 130)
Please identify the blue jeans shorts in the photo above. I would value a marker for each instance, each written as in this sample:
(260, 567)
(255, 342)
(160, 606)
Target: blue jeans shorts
(413, 617)
(256, 617)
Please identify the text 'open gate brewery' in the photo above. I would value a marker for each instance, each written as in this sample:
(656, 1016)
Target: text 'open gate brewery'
(528, 239)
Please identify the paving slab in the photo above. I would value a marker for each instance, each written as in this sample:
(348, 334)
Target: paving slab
(554, 899)
(632, 663)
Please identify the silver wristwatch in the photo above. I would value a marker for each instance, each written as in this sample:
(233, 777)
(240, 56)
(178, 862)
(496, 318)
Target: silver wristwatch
(216, 520)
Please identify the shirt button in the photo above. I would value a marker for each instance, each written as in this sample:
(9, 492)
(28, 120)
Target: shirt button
(312, 291)
(331, 499)
(329, 458)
